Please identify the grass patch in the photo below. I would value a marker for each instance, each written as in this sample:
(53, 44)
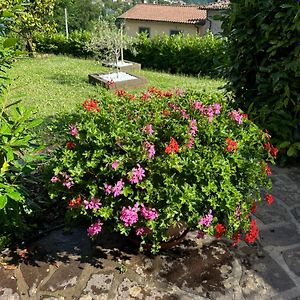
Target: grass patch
(57, 84)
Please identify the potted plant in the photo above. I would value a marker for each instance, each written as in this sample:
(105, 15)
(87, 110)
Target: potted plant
(139, 164)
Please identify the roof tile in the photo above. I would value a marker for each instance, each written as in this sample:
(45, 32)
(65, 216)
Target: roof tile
(165, 13)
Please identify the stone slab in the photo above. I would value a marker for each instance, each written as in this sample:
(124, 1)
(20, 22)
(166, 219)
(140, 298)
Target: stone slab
(8, 285)
(65, 276)
(264, 276)
(289, 198)
(34, 274)
(284, 235)
(296, 213)
(285, 183)
(75, 244)
(273, 213)
(98, 286)
(292, 259)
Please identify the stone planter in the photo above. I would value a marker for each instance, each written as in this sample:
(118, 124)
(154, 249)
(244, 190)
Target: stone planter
(175, 233)
(125, 66)
(120, 80)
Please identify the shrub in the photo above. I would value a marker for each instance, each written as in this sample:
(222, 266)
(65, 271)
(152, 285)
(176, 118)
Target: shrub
(57, 43)
(140, 163)
(186, 54)
(263, 65)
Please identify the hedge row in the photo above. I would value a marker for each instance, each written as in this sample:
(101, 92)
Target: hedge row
(58, 43)
(185, 54)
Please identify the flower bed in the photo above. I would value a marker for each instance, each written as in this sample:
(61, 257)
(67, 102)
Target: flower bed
(141, 163)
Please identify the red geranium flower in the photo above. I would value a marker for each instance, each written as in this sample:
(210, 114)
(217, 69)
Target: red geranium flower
(252, 234)
(173, 147)
(120, 93)
(75, 202)
(268, 170)
(271, 149)
(231, 145)
(269, 198)
(168, 94)
(220, 230)
(70, 145)
(91, 105)
(236, 238)
(253, 208)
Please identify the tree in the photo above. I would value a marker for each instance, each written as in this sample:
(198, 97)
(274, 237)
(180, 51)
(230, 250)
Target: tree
(36, 16)
(81, 14)
(107, 42)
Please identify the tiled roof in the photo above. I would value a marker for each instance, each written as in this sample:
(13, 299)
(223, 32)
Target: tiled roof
(165, 13)
(219, 5)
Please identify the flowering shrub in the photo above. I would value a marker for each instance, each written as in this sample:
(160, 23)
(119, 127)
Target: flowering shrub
(141, 163)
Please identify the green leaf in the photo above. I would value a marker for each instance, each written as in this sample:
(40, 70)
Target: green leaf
(292, 151)
(3, 201)
(9, 42)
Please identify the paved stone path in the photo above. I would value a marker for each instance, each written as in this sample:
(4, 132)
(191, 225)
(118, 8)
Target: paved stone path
(69, 266)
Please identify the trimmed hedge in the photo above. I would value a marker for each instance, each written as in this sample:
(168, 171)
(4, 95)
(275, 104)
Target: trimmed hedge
(57, 43)
(263, 66)
(184, 54)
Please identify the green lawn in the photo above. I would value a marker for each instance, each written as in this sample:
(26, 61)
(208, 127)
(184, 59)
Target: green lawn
(55, 84)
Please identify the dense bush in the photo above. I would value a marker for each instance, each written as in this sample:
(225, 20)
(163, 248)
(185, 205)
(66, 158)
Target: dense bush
(185, 54)
(58, 43)
(140, 163)
(263, 65)
(15, 145)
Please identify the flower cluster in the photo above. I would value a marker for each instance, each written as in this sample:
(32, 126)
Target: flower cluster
(253, 232)
(172, 147)
(95, 228)
(236, 116)
(150, 148)
(91, 105)
(165, 156)
(231, 145)
(137, 174)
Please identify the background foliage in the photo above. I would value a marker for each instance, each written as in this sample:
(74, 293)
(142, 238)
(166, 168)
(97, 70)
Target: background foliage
(183, 54)
(263, 65)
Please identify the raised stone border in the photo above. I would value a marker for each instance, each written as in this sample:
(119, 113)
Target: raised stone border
(139, 82)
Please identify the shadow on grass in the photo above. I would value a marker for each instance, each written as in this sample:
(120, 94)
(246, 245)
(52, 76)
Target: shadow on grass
(68, 79)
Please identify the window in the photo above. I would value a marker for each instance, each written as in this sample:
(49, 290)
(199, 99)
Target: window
(145, 30)
(174, 32)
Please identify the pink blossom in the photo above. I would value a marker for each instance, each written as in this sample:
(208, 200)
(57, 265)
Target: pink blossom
(54, 179)
(95, 228)
(148, 129)
(130, 215)
(193, 127)
(198, 106)
(118, 188)
(107, 189)
(94, 203)
(179, 91)
(68, 180)
(145, 96)
(150, 148)
(137, 174)
(236, 116)
(73, 129)
(207, 219)
(115, 165)
(142, 231)
(210, 113)
(68, 184)
(238, 211)
(173, 106)
(217, 108)
(148, 213)
(190, 143)
(184, 113)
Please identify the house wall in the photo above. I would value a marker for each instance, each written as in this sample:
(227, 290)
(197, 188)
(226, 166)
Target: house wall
(158, 28)
(213, 25)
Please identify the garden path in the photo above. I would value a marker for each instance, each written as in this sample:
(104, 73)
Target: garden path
(68, 266)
